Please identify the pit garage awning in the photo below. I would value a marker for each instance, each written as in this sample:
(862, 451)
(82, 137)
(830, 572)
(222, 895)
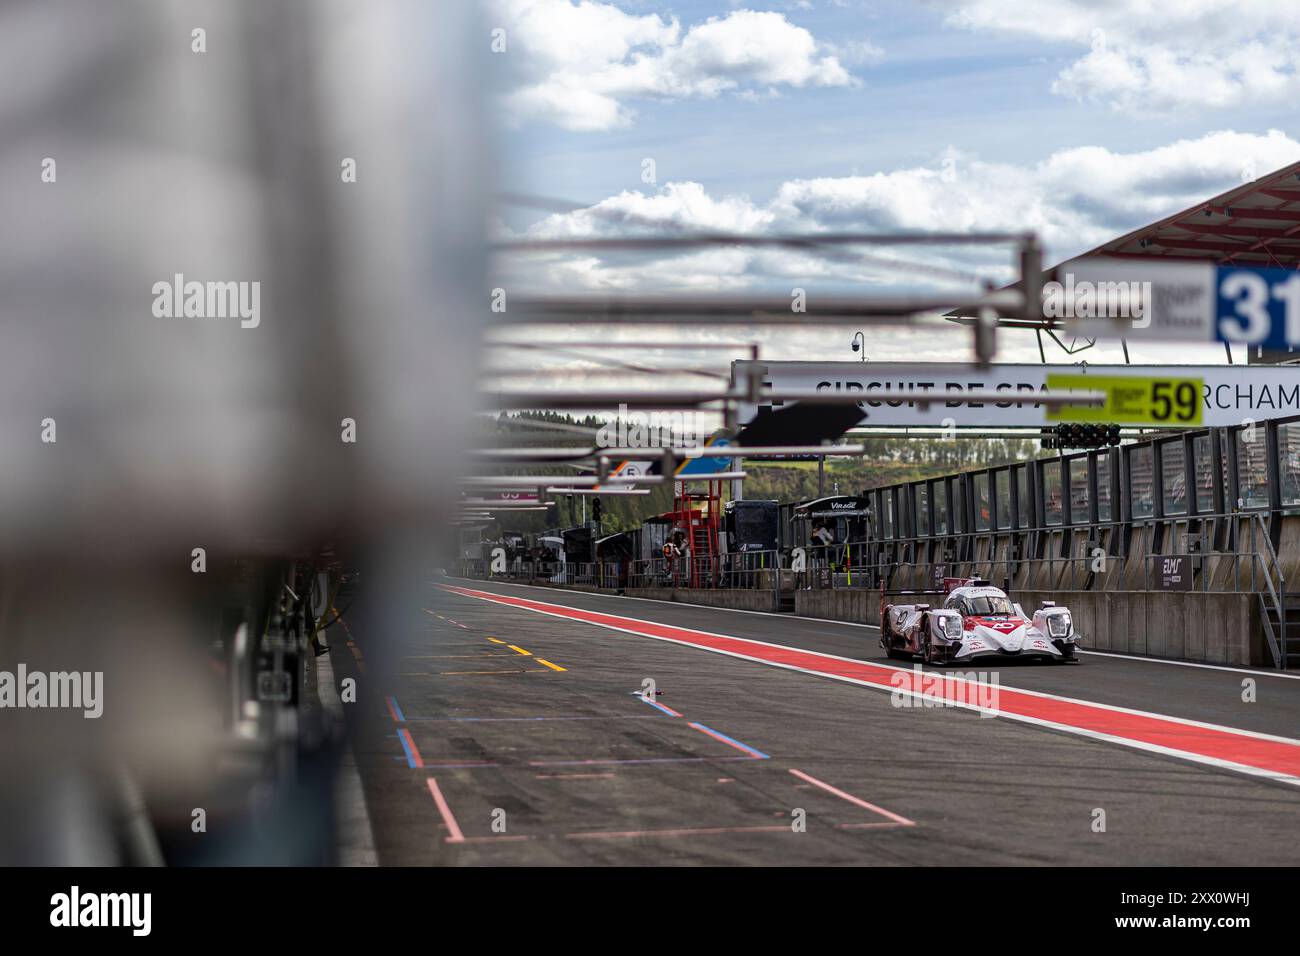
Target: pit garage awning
(1257, 223)
(614, 545)
(836, 506)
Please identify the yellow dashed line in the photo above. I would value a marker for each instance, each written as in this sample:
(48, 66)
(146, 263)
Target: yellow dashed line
(495, 641)
(554, 667)
(519, 650)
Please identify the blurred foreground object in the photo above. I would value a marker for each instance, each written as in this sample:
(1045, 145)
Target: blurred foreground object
(149, 140)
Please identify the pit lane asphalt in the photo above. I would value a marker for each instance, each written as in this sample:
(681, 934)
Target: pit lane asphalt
(580, 771)
(1193, 693)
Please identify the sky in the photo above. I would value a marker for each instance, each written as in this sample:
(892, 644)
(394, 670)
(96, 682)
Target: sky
(1077, 120)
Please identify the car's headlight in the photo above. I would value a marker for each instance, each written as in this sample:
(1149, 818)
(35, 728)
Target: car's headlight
(1058, 625)
(952, 627)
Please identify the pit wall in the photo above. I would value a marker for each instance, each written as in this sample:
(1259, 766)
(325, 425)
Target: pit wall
(1210, 628)
(739, 599)
(1203, 627)
(742, 599)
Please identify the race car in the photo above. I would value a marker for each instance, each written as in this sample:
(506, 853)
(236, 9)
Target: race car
(976, 621)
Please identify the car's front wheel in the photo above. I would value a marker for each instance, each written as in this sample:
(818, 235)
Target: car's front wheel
(930, 655)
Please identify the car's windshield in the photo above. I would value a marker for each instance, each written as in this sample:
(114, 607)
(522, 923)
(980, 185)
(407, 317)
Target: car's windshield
(987, 606)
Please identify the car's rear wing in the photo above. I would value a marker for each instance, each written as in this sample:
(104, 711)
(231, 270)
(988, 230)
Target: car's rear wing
(910, 592)
(949, 585)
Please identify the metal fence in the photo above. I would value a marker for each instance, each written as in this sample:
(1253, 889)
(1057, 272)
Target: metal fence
(1229, 552)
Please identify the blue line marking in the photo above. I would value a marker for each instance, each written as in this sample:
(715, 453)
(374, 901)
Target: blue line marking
(397, 709)
(655, 704)
(745, 747)
(410, 757)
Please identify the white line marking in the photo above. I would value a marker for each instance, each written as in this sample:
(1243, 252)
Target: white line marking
(1065, 728)
(710, 607)
(876, 627)
(452, 826)
(1209, 667)
(852, 799)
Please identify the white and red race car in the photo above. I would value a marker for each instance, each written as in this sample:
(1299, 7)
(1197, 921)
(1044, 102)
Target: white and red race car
(976, 620)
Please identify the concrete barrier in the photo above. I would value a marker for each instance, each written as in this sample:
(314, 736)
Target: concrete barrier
(1205, 627)
(546, 583)
(1211, 628)
(857, 605)
(737, 599)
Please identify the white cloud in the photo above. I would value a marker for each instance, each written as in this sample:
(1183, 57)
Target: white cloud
(855, 52)
(1148, 57)
(1074, 199)
(577, 63)
(676, 205)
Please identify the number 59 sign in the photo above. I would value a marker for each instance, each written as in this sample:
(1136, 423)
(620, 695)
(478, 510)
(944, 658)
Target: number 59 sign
(1170, 401)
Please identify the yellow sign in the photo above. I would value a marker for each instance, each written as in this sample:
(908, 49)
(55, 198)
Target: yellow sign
(1133, 400)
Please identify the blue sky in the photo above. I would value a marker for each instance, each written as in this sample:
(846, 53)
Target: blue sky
(1080, 120)
(935, 86)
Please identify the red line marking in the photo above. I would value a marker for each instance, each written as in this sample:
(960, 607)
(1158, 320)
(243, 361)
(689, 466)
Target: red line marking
(654, 703)
(872, 826)
(410, 742)
(1273, 757)
(452, 826)
(392, 713)
(854, 800)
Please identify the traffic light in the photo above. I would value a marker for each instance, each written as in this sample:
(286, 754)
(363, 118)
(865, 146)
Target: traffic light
(595, 510)
(1081, 435)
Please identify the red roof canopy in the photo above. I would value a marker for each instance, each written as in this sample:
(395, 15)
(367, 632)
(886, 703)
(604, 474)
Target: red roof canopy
(1257, 223)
